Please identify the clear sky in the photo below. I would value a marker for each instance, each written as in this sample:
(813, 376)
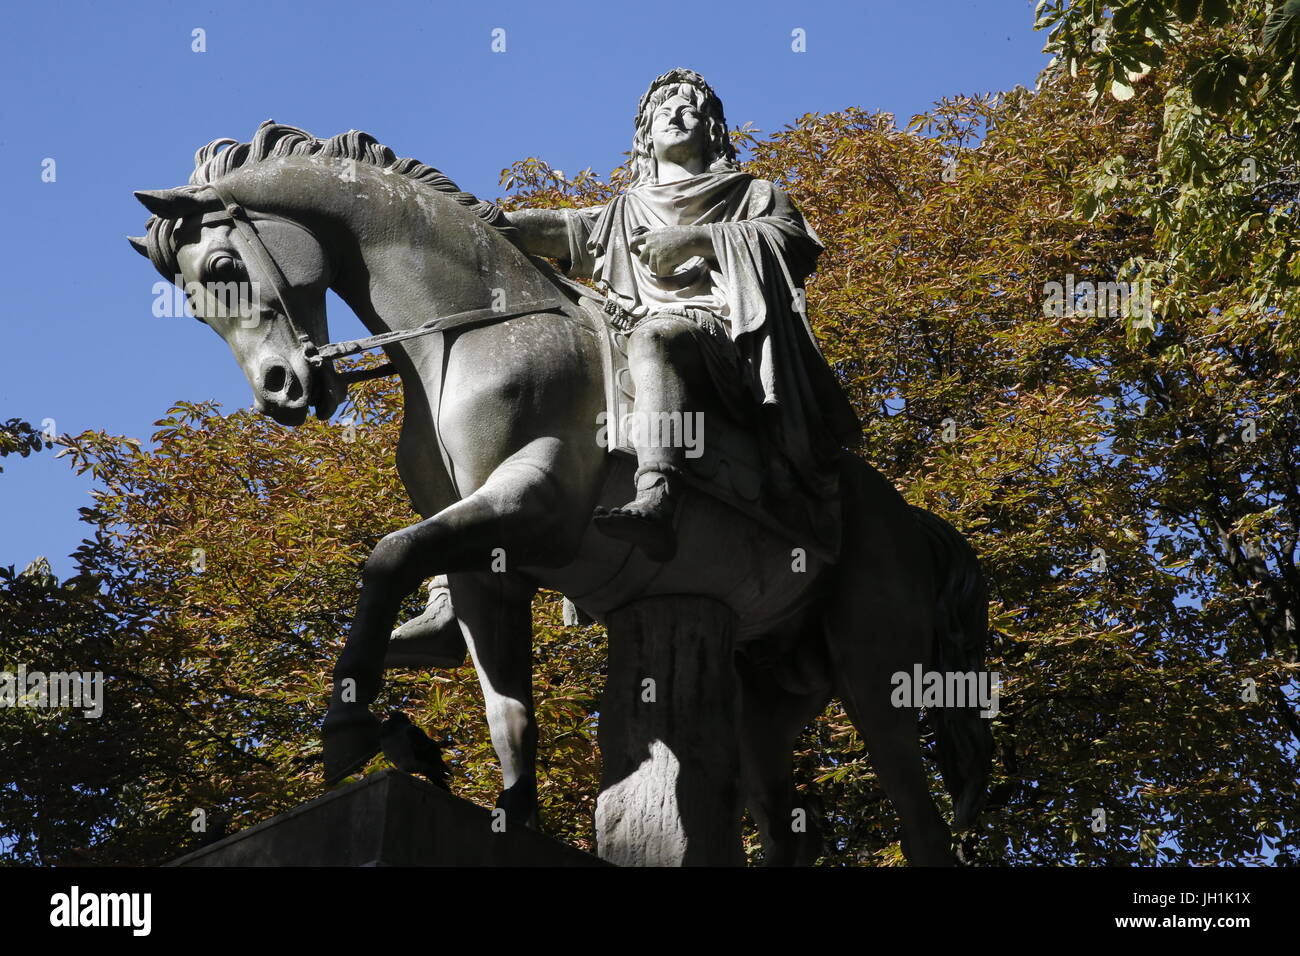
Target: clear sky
(114, 94)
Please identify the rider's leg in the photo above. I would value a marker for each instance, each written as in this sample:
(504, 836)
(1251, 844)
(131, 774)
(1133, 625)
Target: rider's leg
(664, 358)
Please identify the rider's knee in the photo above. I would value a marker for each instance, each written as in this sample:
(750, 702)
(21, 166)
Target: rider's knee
(662, 334)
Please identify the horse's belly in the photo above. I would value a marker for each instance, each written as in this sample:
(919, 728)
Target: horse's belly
(721, 554)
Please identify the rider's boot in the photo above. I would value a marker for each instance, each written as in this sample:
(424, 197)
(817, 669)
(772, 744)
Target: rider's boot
(433, 639)
(647, 520)
(657, 351)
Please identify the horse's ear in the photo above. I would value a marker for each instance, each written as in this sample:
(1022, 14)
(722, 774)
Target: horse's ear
(140, 244)
(176, 203)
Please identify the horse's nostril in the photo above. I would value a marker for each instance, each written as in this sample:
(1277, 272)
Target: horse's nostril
(273, 379)
(295, 389)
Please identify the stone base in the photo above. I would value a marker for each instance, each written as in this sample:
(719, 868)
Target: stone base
(670, 764)
(388, 819)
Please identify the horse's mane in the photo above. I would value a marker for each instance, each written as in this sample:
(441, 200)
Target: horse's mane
(275, 141)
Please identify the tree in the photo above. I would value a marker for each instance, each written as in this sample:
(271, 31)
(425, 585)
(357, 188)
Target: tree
(1062, 316)
(228, 556)
(18, 437)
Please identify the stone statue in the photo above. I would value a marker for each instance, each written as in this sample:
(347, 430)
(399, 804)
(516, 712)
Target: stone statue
(709, 263)
(740, 596)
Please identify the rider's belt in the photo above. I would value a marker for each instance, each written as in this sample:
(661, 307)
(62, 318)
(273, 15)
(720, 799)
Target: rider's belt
(624, 321)
(619, 317)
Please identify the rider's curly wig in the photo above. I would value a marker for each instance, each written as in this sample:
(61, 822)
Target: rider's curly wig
(689, 84)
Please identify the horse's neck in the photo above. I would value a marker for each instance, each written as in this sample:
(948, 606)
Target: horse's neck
(422, 256)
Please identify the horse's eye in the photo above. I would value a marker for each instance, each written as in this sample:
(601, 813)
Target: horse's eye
(222, 265)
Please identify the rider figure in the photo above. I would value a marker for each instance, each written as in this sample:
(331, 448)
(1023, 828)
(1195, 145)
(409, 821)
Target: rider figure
(710, 263)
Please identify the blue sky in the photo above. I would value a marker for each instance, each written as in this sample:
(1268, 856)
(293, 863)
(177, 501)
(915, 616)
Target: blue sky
(116, 96)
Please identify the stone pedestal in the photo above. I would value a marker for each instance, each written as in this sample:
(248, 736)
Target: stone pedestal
(388, 819)
(670, 773)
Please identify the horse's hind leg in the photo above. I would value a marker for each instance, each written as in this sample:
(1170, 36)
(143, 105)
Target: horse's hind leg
(495, 614)
(890, 734)
(771, 719)
(879, 622)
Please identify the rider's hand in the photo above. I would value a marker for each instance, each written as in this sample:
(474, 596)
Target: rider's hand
(666, 248)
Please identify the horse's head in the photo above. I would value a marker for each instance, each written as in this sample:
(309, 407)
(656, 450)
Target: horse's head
(265, 227)
(259, 281)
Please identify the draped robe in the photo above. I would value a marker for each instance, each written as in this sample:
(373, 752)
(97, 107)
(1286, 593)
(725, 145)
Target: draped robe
(764, 252)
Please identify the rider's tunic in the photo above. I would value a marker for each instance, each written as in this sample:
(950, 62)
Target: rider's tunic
(757, 341)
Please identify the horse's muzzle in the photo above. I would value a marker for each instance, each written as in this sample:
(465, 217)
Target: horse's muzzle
(280, 393)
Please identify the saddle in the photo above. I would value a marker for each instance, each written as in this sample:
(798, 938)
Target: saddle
(730, 465)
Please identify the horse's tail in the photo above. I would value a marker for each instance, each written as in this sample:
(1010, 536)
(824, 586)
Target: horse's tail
(965, 742)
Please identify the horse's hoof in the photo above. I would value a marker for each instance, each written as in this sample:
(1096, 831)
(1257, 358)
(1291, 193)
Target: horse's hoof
(656, 538)
(521, 808)
(350, 742)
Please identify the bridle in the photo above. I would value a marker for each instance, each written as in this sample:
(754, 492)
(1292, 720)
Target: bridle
(323, 356)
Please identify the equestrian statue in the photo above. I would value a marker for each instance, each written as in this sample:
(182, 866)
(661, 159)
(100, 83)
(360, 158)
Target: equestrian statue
(669, 450)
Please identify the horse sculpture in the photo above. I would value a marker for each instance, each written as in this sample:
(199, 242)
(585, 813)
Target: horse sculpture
(503, 378)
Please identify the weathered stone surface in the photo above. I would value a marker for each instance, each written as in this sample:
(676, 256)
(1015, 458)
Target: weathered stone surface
(388, 819)
(670, 792)
(835, 584)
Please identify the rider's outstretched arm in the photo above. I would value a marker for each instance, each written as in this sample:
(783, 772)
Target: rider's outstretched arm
(542, 232)
(559, 234)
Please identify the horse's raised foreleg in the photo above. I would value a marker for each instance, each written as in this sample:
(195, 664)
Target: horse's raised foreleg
(520, 515)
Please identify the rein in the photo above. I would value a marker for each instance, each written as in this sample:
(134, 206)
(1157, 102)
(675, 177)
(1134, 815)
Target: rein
(323, 356)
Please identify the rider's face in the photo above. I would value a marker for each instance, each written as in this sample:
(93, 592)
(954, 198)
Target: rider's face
(678, 130)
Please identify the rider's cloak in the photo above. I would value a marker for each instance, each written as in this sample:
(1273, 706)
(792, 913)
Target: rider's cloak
(764, 252)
